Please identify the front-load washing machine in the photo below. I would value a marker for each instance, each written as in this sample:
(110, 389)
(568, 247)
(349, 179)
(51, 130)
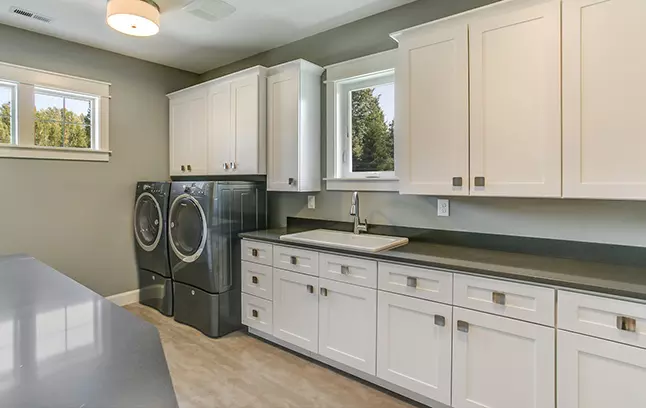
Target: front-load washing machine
(204, 221)
(151, 247)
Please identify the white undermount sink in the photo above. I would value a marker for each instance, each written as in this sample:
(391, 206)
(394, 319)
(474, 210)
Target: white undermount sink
(346, 240)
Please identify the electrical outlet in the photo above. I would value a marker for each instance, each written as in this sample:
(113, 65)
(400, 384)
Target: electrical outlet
(311, 202)
(442, 207)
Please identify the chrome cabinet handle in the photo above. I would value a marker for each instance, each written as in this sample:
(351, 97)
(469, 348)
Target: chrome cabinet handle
(626, 324)
(254, 279)
(463, 326)
(479, 181)
(254, 313)
(254, 252)
(310, 289)
(182, 167)
(232, 165)
(440, 321)
(498, 298)
(457, 181)
(293, 260)
(291, 181)
(411, 282)
(226, 166)
(345, 270)
(323, 292)
(188, 167)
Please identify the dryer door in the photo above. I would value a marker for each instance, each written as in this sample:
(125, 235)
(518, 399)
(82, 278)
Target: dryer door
(148, 222)
(187, 228)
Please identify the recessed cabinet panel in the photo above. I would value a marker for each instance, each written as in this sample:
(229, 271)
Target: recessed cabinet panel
(248, 132)
(604, 62)
(516, 102)
(188, 137)
(219, 140)
(433, 103)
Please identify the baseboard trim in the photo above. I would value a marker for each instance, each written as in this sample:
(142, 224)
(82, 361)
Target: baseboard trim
(125, 298)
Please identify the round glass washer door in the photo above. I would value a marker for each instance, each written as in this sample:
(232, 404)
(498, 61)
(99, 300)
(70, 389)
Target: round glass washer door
(187, 224)
(148, 222)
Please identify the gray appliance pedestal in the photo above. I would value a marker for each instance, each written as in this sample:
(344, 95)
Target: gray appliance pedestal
(156, 291)
(210, 313)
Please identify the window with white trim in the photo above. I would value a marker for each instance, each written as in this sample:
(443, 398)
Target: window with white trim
(7, 113)
(45, 115)
(361, 124)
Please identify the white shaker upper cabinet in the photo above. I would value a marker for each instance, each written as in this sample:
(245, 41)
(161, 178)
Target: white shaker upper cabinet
(219, 140)
(248, 125)
(294, 127)
(432, 86)
(604, 83)
(188, 133)
(516, 101)
(594, 373)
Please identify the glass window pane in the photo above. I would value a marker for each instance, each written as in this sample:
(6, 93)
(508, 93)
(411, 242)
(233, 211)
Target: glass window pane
(372, 124)
(6, 95)
(48, 107)
(77, 135)
(48, 133)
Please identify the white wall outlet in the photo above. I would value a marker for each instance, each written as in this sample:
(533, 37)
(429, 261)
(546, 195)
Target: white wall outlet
(442, 207)
(311, 202)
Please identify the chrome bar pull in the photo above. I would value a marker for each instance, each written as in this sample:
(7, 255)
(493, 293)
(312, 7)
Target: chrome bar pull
(411, 282)
(254, 279)
(293, 260)
(254, 252)
(463, 326)
(498, 298)
(440, 321)
(182, 167)
(254, 313)
(226, 166)
(323, 292)
(310, 289)
(626, 324)
(188, 168)
(345, 270)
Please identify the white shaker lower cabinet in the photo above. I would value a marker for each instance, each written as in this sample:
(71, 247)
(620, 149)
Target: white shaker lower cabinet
(501, 363)
(414, 345)
(595, 373)
(348, 324)
(296, 309)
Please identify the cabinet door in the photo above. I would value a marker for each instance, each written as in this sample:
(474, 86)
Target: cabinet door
(219, 128)
(516, 102)
(296, 309)
(282, 131)
(414, 345)
(501, 363)
(188, 129)
(433, 133)
(594, 373)
(246, 137)
(347, 324)
(604, 62)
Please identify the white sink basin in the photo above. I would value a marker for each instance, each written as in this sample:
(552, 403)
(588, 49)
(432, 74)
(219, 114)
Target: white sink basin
(346, 240)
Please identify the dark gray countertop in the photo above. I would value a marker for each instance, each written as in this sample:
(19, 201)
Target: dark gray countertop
(62, 345)
(600, 277)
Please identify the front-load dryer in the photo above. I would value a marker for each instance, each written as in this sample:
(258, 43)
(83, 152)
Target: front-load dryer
(151, 245)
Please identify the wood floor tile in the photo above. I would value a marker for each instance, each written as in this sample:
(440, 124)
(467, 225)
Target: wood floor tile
(240, 371)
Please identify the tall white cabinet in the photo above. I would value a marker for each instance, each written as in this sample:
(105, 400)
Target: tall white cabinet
(219, 127)
(604, 61)
(294, 127)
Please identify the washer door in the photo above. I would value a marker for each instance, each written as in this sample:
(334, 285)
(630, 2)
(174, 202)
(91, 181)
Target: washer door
(187, 228)
(148, 222)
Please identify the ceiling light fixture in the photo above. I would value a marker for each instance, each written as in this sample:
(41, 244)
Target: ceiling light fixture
(134, 17)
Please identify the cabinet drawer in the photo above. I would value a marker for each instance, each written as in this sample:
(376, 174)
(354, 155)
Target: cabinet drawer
(296, 260)
(515, 300)
(258, 252)
(362, 272)
(257, 313)
(617, 320)
(257, 280)
(422, 283)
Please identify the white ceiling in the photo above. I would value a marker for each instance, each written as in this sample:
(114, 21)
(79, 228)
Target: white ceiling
(188, 42)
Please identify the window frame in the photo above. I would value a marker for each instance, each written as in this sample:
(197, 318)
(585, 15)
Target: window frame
(27, 82)
(14, 117)
(341, 79)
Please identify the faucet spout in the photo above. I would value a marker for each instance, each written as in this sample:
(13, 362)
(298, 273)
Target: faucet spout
(359, 227)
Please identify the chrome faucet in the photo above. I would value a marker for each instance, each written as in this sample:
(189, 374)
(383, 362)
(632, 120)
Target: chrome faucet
(354, 211)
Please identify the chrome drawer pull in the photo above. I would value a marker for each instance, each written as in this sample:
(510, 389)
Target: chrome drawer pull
(254, 313)
(323, 292)
(345, 270)
(626, 324)
(293, 260)
(411, 282)
(310, 288)
(463, 326)
(254, 279)
(498, 298)
(440, 320)
(254, 252)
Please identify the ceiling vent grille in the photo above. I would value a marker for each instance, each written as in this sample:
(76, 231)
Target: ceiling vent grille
(30, 14)
(209, 10)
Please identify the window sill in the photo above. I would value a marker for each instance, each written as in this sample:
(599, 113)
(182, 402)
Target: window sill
(362, 184)
(54, 153)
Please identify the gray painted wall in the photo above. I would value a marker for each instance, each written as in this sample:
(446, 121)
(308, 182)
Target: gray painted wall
(594, 221)
(77, 216)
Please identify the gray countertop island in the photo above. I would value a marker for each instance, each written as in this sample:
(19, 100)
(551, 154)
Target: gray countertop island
(62, 345)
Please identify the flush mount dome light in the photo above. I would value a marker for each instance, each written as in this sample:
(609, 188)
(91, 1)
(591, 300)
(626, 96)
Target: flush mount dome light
(134, 17)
